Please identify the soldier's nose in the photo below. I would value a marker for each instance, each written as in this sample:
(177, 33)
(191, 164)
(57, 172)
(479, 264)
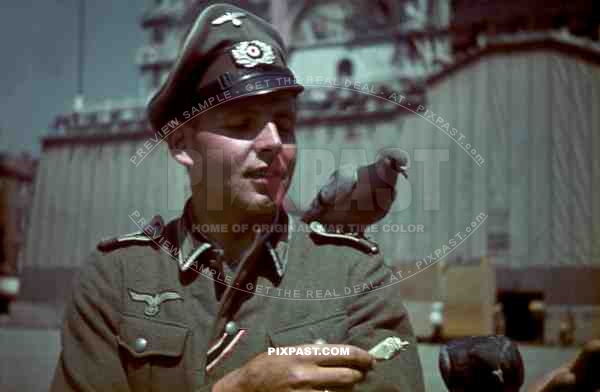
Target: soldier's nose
(268, 142)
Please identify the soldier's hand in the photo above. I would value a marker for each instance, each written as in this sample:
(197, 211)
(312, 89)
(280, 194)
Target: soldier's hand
(579, 374)
(313, 372)
(559, 380)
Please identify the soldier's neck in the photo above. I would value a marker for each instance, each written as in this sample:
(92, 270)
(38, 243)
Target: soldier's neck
(231, 229)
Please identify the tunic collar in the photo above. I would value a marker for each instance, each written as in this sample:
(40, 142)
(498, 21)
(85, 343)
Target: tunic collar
(195, 248)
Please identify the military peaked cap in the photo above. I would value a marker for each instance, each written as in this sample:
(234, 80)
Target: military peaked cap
(228, 53)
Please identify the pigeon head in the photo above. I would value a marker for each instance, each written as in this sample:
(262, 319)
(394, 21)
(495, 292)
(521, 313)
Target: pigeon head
(395, 160)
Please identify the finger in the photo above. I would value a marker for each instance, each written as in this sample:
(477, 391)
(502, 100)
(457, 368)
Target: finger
(349, 356)
(337, 377)
(559, 380)
(313, 376)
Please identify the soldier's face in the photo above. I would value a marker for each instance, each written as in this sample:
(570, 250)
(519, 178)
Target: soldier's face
(248, 149)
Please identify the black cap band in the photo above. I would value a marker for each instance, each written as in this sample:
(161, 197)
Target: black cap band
(229, 86)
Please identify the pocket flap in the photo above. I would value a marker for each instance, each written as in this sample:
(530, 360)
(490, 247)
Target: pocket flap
(330, 328)
(142, 337)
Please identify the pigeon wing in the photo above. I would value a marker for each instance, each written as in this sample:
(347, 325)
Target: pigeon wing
(340, 185)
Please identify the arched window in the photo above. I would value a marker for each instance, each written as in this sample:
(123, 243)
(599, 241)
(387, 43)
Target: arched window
(345, 68)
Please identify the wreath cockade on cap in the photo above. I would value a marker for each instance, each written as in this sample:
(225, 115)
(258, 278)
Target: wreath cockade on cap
(251, 53)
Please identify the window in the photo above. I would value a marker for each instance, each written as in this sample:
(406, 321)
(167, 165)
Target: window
(155, 78)
(498, 243)
(345, 68)
(158, 36)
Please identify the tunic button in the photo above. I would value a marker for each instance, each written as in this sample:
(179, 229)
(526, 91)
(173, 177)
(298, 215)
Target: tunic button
(140, 344)
(231, 328)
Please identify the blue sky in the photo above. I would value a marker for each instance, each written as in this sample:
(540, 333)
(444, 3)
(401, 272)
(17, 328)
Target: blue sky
(38, 40)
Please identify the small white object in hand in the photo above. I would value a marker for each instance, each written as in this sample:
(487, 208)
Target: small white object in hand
(388, 347)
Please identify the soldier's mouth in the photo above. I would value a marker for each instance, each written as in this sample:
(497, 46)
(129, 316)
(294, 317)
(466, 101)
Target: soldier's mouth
(265, 173)
(257, 174)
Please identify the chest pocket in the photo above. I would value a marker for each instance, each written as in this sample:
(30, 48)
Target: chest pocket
(331, 328)
(152, 353)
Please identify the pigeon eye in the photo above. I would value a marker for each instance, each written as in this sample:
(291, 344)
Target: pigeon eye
(285, 124)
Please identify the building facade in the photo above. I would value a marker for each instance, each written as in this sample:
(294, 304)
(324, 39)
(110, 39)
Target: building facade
(501, 136)
(16, 193)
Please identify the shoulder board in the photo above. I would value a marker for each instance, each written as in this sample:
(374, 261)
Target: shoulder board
(147, 236)
(320, 235)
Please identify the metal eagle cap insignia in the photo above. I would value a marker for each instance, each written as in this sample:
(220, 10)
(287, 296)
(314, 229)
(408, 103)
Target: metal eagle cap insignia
(499, 374)
(251, 53)
(153, 301)
(233, 17)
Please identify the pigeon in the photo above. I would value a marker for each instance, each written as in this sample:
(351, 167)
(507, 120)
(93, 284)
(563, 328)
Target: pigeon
(353, 199)
(481, 363)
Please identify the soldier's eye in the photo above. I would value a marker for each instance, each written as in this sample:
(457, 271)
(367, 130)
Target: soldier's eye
(285, 124)
(239, 124)
(241, 128)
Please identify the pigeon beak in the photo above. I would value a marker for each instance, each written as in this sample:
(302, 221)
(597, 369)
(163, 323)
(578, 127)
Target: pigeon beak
(398, 167)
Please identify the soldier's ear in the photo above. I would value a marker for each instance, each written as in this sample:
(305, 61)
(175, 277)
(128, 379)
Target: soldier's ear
(177, 148)
(183, 158)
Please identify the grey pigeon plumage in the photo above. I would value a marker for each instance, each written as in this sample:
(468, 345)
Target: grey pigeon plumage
(355, 198)
(481, 363)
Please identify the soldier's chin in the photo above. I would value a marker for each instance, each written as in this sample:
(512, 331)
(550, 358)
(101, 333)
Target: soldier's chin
(260, 204)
